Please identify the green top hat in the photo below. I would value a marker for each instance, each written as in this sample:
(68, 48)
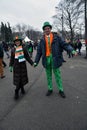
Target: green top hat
(46, 24)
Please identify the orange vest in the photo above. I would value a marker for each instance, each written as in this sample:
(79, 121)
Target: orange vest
(48, 47)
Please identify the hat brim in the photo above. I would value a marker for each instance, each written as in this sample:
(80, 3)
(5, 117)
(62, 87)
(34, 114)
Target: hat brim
(47, 26)
(18, 40)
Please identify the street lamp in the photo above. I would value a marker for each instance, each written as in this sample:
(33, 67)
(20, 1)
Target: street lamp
(86, 26)
(62, 22)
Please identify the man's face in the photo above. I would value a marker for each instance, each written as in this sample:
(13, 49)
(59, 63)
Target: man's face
(47, 30)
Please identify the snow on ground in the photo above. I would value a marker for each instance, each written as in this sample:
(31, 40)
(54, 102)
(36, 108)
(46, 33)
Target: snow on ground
(83, 48)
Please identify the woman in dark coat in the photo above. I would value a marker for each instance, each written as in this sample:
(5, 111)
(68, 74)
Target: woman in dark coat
(19, 55)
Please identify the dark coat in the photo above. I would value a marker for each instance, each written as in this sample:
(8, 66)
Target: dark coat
(19, 69)
(79, 45)
(5, 46)
(1, 51)
(58, 45)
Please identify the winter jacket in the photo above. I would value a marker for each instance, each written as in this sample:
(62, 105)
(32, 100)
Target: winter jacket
(58, 45)
(1, 51)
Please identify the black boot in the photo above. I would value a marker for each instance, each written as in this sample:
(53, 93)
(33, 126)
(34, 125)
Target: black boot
(62, 94)
(4, 64)
(49, 92)
(22, 90)
(16, 94)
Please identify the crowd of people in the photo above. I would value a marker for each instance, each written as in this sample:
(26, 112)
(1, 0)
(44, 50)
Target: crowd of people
(50, 49)
(76, 44)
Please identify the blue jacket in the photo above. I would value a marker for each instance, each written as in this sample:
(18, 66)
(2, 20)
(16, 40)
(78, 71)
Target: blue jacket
(58, 45)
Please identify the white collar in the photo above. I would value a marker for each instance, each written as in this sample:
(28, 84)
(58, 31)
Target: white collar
(48, 35)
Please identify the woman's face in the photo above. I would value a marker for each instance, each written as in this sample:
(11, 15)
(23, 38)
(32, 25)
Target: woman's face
(17, 43)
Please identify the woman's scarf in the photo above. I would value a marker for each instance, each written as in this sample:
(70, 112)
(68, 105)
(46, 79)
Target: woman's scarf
(19, 54)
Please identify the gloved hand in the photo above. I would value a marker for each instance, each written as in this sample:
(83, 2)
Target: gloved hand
(30, 49)
(74, 52)
(35, 64)
(10, 68)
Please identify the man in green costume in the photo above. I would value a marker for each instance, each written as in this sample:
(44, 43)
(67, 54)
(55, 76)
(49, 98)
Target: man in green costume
(50, 49)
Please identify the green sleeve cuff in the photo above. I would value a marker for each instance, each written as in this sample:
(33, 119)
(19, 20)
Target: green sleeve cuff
(73, 52)
(10, 68)
(35, 64)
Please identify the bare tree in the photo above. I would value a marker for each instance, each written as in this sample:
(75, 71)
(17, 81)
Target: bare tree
(24, 28)
(18, 26)
(68, 15)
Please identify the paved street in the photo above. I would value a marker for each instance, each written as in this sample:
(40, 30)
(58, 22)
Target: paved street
(35, 111)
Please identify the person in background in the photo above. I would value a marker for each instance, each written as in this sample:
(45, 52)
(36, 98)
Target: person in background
(17, 64)
(1, 60)
(35, 45)
(79, 46)
(50, 49)
(6, 49)
(30, 48)
(68, 41)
